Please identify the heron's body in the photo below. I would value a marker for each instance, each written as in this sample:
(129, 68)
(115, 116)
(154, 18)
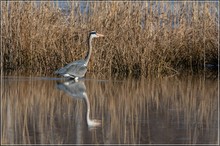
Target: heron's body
(78, 69)
(73, 69)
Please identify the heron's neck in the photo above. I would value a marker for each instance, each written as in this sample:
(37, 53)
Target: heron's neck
(89, 51)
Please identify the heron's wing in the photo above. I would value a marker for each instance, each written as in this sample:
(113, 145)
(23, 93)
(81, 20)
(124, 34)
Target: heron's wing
(76, 68)
(63, 70)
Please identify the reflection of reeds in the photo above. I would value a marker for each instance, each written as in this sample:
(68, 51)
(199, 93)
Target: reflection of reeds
(184, 101)
(143, 111)
(138, 36)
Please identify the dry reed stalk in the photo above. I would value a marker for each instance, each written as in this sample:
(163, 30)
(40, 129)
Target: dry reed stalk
(140, 37)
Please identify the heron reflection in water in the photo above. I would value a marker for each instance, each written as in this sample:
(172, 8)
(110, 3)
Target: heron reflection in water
(77, 90)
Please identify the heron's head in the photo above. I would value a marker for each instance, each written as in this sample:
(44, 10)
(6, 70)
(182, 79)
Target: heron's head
(93, 34)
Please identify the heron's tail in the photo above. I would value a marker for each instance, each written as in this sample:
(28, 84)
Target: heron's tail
(57, 71)
(60, 71)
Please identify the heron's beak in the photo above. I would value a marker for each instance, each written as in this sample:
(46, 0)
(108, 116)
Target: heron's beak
(99, 35)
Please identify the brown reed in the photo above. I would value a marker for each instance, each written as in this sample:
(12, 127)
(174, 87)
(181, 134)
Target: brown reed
(140, 37)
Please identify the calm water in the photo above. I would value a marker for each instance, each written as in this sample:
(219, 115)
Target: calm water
(168, 110)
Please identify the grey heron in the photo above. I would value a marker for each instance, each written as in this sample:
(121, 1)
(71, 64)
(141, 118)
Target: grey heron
(78, 69)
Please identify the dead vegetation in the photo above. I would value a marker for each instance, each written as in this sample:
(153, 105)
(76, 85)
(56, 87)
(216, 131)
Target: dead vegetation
(140, 37)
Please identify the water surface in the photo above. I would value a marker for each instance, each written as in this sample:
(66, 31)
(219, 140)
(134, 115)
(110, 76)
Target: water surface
(163, 110)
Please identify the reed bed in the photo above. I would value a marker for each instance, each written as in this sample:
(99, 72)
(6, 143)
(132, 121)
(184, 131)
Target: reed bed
(140, 37)
(145, 111)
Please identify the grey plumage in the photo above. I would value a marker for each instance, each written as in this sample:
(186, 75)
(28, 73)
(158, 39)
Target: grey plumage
(73, 69)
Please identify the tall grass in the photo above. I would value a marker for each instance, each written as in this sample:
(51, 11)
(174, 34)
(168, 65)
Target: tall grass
(140, 37)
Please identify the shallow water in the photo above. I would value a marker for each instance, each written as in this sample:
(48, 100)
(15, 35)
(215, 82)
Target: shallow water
(168, 110)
